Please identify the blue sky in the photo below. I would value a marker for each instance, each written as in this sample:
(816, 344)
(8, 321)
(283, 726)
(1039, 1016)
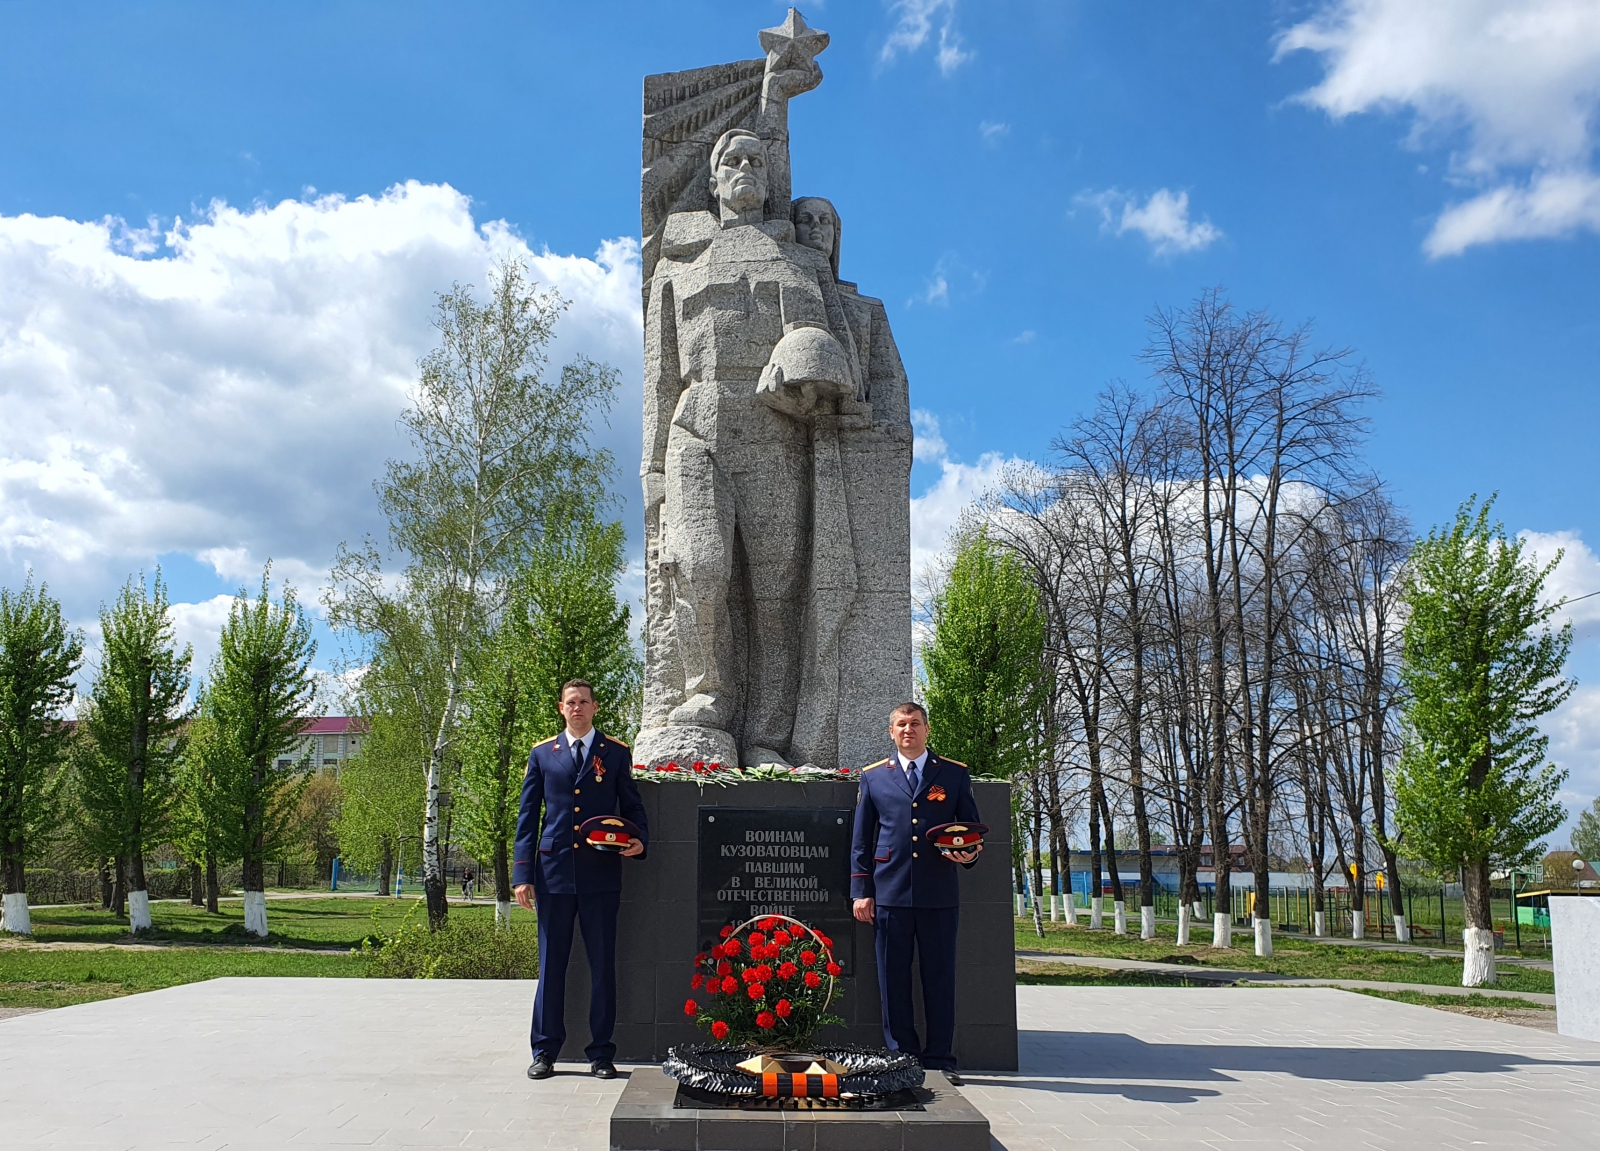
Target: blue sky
(1021, 182)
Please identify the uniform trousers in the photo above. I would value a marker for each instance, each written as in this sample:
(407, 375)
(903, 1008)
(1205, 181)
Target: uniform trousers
(932, 932)
(596, 914)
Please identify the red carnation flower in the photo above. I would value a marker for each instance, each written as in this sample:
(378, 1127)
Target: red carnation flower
(808, 957)
(732, 946)
(719, 1030)
(757, 991)
(729, 985)
(765, 1021)
(715, 765)
(764, 973)
(757, 940)
(813, 979)
(699, 765)
(835, 970)
(826, 942)
(844, 771)
(691, 1008)
(780, 936)
(727, 930)
(788, 971)
(768, 923)
(724, 968)
(699, 959)
(749, 975)
(784, 1007)
(694, 984)
(716, 951)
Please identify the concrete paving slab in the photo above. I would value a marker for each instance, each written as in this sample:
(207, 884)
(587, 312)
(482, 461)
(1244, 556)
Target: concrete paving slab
(275, 1063)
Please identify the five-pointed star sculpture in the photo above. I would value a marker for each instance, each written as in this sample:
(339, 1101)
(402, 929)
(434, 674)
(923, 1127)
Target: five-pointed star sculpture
(792, 45)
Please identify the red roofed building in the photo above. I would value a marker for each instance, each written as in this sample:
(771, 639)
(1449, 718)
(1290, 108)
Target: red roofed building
(330, 740)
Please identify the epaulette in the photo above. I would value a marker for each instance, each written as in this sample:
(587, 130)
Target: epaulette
(957, 762)
(618, 742)
(880, 763)
(552, 739)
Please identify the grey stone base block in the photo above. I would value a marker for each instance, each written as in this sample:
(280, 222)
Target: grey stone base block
(684, 746)
(646, 1119)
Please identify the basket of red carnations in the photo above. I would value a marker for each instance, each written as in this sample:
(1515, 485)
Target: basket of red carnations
(767, 984)
(767, 987)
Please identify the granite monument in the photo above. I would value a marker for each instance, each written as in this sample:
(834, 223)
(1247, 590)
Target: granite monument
(777, 440)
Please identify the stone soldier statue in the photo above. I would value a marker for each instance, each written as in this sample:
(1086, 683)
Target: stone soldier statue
(777, 440)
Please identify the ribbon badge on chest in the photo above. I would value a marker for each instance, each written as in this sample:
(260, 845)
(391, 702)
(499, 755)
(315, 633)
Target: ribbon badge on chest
(936, 793)
(599, 770)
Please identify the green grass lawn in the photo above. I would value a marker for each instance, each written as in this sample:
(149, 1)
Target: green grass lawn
(1048, 974)
(38, 978)
(335, 923)
(1297, 957)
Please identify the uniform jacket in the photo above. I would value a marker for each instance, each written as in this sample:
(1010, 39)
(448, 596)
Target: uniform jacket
(549, 853)
(890, 861)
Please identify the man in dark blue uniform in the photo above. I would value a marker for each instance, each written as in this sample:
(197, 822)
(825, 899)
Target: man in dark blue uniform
(907, 889)
(579, 774)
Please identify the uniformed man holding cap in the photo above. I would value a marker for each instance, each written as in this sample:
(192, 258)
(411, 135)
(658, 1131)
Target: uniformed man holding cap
(906, 885)
(574, 872)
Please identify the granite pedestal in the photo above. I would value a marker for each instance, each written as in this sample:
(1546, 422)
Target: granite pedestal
(647, 1118)
(657, 933)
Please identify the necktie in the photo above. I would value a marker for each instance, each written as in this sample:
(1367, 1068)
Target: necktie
(577, 757)
(913, 776)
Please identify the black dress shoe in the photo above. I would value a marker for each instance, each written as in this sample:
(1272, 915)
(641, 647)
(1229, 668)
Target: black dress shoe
(954, 1078)
(540, 1068)
(602, 1070)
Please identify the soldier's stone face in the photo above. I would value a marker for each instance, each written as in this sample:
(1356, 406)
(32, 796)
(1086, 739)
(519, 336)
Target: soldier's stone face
(815, 226)
(741, 176)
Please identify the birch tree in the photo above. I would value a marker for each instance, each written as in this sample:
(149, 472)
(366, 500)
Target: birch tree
(502, 453)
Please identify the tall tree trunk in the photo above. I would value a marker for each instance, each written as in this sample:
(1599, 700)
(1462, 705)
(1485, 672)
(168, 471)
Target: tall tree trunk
(386, 869)
(254, 880)
(138, 889)
(102, 869)
(213, 885)
(1096, 883)
(119, 890)
(1038, 857)
(197, 890)
(1477, 940)
(14, 917)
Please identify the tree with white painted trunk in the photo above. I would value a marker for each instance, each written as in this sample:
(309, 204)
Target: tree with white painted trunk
(563, 622)
(1481, 663)
(39, 655)
(503, 454)
(139, 706)
(260, 692)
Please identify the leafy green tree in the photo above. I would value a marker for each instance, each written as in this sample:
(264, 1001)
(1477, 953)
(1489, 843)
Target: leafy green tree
(1480, 666)
(564, 622)
(139, 708)
(503, 456)
(384, 786)
(1586, 835)
(983, 668)
(38, 658)
(204, 809)
(260, 691)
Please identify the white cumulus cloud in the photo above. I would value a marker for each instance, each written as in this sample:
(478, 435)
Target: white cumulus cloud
(1163, 219)
(937, 511)
(915, 27)
(1512, 86)
(228, 388)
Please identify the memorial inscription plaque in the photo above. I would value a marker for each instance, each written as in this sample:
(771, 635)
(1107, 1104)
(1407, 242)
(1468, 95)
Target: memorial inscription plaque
(792, 861)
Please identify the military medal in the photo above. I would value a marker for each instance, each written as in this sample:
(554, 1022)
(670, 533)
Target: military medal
(599, 770)
(936, 793)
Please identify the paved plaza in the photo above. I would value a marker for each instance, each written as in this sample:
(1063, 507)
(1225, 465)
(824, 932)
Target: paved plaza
(270, 1063)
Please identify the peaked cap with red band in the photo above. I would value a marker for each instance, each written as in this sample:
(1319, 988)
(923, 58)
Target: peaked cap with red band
(609, 832)
(956, 836)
